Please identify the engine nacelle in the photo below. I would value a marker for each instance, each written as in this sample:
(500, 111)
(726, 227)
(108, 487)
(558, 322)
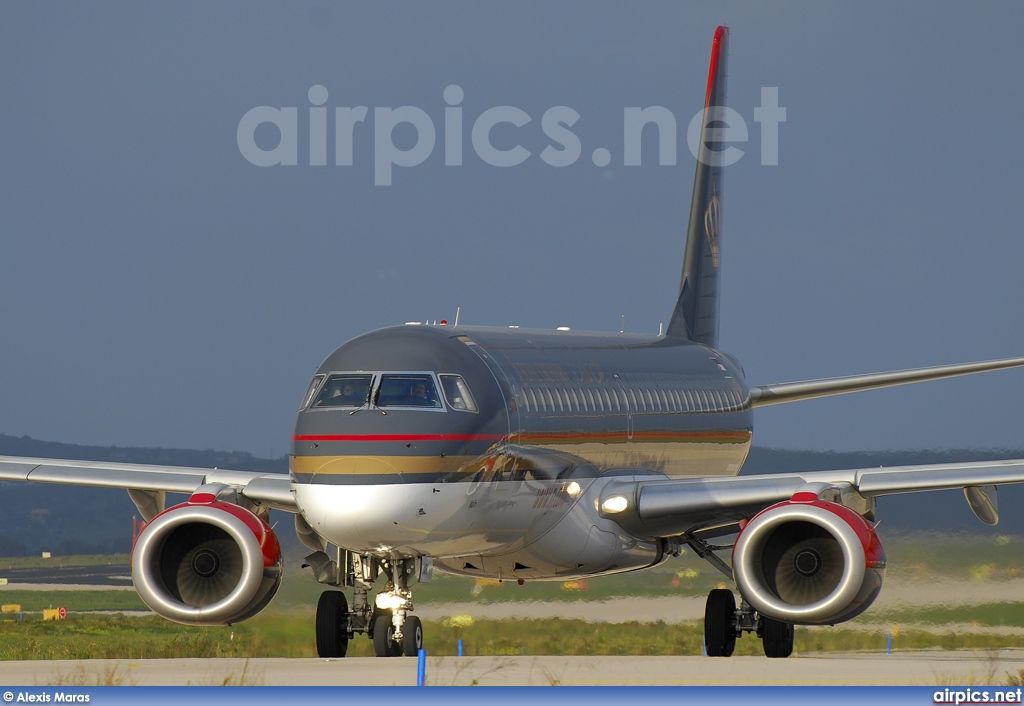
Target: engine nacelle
(207, 563)
(809, 561)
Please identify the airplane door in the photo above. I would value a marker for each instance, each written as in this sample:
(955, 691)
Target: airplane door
(508, 391)
(629, 409)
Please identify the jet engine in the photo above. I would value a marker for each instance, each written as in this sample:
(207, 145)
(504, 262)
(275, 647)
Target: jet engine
(809, 561)
(207, 563)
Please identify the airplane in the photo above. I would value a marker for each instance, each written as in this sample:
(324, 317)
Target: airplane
(523, 454)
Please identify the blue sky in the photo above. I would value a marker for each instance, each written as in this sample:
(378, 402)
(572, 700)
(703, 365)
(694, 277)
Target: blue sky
(158, 289)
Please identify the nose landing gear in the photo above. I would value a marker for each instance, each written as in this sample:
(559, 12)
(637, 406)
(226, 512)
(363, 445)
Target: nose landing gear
(394, 632)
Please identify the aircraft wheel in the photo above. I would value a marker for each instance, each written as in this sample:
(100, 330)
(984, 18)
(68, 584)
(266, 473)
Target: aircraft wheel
(412, 636)
(332, 624)
(777, 637)
(719, 634)
(384, 644)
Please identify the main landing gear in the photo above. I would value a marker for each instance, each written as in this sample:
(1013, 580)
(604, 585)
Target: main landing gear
(724, 622)
(394, 632)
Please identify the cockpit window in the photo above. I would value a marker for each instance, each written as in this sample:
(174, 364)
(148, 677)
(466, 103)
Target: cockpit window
(456, 391)
(407, 390)
(317, 379)
(349, 390)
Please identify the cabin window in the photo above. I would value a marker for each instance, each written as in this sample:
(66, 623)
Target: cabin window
(595, 402)
(578, 402)
(550, 400)
(533, 399)
(632, 399)
(408, 390)
(307, 398)
(346, 390)
(457, 393)
(653, 404)
(676, 402)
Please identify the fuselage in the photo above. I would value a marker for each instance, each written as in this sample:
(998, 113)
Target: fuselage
(469, 445)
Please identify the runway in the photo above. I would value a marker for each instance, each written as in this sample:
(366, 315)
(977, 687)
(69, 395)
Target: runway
(900, 669)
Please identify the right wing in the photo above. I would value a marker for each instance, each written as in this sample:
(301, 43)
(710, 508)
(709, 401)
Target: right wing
(272, 490)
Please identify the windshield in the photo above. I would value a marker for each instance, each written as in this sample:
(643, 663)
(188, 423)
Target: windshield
(408, 390)
(349, 390)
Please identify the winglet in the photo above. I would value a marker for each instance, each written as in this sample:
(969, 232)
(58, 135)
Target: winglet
(696, 312)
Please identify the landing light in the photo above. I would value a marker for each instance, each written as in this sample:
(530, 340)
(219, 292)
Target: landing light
(573, 490)
(616, 503)
(388, 601)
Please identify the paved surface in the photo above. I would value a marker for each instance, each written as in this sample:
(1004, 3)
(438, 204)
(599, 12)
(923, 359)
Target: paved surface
(72, 577)
(911, 669)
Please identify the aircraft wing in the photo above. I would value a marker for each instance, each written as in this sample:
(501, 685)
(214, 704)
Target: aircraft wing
(268, 489)
(779, 393)
(666, 508)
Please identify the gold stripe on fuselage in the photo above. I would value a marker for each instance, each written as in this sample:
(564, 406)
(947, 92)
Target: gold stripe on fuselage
(382, 465)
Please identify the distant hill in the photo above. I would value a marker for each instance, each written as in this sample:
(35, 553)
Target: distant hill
(66, 520)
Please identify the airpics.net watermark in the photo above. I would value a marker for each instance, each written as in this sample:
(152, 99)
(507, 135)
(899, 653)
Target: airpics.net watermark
(726, 128)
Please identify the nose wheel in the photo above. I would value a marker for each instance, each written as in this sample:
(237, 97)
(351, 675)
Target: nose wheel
(387, 644)
(386, 621)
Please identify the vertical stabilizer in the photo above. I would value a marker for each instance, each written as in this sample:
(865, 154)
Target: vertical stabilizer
(696, 314)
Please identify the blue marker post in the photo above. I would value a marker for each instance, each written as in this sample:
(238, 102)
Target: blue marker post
(888, 643)
(460, 647)
(421, 668)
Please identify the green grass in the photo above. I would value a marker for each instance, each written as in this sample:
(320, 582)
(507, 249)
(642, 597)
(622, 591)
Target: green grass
(285, 635)
(35, 601)
(984, 614)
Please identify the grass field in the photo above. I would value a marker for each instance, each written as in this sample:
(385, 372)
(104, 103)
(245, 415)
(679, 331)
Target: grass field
(283, 635)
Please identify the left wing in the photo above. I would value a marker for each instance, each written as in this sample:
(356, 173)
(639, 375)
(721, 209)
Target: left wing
(271, 490)
(667, 508)
(778, 393)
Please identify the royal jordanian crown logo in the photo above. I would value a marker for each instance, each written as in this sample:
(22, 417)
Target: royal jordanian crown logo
(712, 216)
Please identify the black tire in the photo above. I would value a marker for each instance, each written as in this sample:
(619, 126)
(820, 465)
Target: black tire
(384, 644)
(412, 636)
(719, 633)
(332, 625)
(777, 638)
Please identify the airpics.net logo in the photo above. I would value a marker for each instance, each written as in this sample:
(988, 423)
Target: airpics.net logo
(727, 128)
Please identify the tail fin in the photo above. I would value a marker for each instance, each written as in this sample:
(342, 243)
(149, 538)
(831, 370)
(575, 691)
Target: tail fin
(696, 314)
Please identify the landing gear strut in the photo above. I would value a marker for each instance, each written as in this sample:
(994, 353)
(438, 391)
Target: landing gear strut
(724, 622)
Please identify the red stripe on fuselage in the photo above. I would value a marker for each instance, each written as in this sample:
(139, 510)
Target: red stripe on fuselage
(398, 437)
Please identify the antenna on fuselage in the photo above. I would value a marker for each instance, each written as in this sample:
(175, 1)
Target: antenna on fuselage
(622, 326)
(458, 310)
